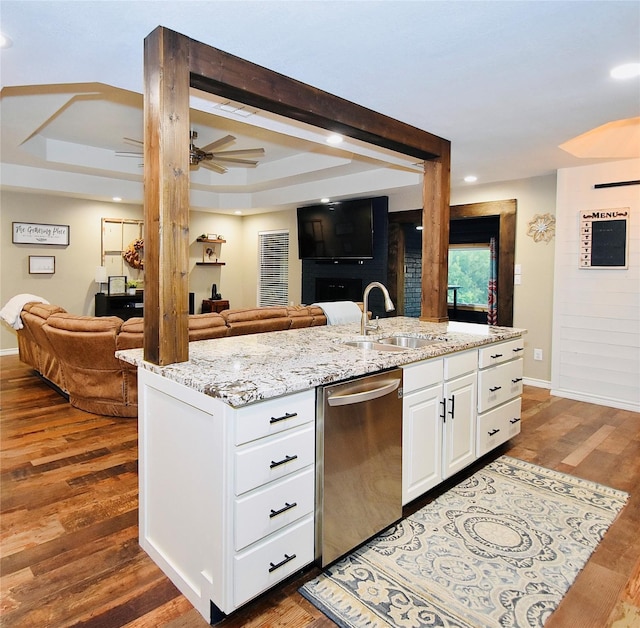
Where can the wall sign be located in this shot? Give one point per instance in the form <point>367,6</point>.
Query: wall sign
<point>35,233</point>
<point>604,236</point>
<point>42,264</point>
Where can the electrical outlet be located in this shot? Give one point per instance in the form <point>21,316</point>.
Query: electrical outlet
<point>517,280</point>
<point>537,354</point>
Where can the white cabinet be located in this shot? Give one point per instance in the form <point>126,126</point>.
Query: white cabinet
<point>422,409</point>
<point>226,495</point>
<point>460,412</point>
<point>438,421</point>
<point>499,391</point>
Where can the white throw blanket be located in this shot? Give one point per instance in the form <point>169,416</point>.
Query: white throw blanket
<point>341,312</point>
<point>10,313</point>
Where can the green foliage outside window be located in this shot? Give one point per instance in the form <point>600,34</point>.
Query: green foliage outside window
<point>469,269</point>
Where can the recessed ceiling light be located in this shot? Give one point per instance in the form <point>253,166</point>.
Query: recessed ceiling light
<point>470,178</point>
<point>334,139</point>
<point>625,71</point>
<point>324,200</point>
<point>237,212</point>
<point>5,41</point>
<point>116,199</point>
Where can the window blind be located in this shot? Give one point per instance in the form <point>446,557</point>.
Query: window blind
<point>273,271</point>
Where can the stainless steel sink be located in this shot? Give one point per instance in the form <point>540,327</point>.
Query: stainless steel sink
<point>409,342</point>
<point>374,345</point>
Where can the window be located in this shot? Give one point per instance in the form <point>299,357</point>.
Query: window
<point>273,270</point>
<point>469,266</point>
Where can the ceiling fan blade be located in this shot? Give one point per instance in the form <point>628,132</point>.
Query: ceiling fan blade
<point>227,139</point>
<point>231,161</point>
<point>239,153</point>
<point>213,166</point>
<point>129,140</point>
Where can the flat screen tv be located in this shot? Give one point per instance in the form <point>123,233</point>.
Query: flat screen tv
<point>341,230</point>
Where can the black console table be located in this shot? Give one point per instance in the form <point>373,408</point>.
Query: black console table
<point>123,305</point>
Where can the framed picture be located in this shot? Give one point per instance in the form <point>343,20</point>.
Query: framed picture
<point>36,233</point>
<point>42,264</point>
<point>117,284</point>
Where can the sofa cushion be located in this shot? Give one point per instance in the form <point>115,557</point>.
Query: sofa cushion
<point>257,319</point>
<point>131,334</point>
<point>206,326</point>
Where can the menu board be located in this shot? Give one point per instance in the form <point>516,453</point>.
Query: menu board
<point>604,235</point>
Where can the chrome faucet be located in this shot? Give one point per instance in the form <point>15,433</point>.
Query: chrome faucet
<point>365,327</point>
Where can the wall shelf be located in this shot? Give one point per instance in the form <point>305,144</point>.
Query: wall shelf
<point>209,252</point>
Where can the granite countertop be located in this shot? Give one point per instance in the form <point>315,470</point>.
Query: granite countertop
<point>244,369</point>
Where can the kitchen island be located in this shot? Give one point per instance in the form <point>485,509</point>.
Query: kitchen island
<point>227,440</point>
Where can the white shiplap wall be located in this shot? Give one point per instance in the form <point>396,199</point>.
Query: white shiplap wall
<point>596,313</point>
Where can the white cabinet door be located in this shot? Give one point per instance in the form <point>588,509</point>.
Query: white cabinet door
<point>459,424</point>
<point>421,442</point>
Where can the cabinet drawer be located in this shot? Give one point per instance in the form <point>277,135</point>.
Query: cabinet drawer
<point>421,375</point>
<point>460,364</point>
<point>498,426</point>
<point>274,457</point>
<point>501,352</point>
<point>267,563</point>
<point>273,416</point>
<point>267,510</point>
<point>499,384</point>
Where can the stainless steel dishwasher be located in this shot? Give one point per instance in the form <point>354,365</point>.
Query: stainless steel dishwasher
<point>359,462</point>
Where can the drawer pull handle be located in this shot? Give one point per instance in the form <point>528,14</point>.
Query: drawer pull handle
<point>518,349</point>
<point>286,459</point>
<point>496,355</point>
<point>284,417</point>
<point>287,506</point>
<point>516,380</point>
<point>284,561</point>
<point>494,431</point>
<point>514,420</point>
<point>495,388</point>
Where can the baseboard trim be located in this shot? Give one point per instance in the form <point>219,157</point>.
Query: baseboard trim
<point>13,351</point>
<point>599,401</point>
<point>538,383</point>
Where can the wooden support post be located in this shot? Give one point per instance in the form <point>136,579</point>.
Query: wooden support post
<point>435,238</point>
<point>166,197</point>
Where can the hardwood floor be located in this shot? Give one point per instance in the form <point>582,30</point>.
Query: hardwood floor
<point>68,528</point>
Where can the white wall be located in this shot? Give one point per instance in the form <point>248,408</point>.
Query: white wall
<point>532,300</point>
<point>596,314</point>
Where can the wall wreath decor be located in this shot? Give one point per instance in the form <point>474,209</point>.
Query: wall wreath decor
<point>134,254</point>
<point>542,228</point>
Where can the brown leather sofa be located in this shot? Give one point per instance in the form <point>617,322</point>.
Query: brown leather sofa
<point>77,353</point>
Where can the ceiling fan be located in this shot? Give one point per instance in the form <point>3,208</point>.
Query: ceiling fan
<point>209,156</point>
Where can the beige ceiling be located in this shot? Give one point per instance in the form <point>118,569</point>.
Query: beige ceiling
<point>509,83</point>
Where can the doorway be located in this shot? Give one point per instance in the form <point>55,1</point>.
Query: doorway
<point>470,223</point>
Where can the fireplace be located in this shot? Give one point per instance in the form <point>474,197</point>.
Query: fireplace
<point>338,289</point>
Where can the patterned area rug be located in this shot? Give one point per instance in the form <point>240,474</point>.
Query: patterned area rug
<point>499,550</point>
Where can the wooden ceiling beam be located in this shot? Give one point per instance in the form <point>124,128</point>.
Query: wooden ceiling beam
<point>173,64</point>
